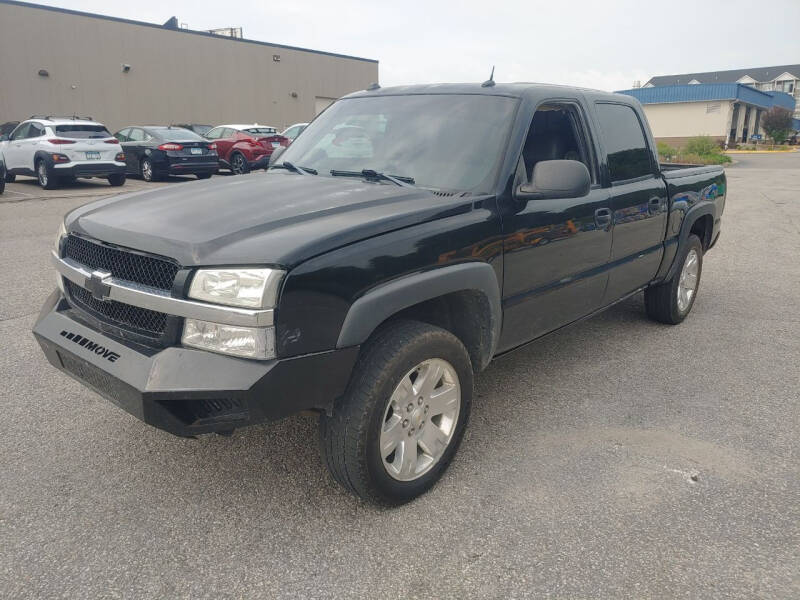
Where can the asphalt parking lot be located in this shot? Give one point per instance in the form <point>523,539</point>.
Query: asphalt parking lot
<point>618,458</point>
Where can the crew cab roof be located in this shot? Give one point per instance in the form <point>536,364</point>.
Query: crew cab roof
<point>515,90</point>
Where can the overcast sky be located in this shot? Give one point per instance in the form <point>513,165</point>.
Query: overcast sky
<point>605,44</point>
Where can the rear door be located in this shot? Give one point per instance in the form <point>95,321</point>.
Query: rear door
<point>555,250</point>
<point>638,199</point>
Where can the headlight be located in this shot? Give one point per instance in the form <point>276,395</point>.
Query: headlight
<point>249,288</point>
<point>62,231</point>
<point>248,342</point>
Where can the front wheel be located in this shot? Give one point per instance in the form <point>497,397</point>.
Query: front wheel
<point>403,415</point>
<point>671,301</point>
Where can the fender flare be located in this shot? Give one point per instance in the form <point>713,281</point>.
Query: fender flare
<point>385,300</point>
<point>689,219</point>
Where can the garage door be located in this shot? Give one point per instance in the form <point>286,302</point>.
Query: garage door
<point>321,103</point>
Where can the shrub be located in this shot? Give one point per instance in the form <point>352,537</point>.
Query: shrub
<point>704,159</point>
<point>777,123</point>
<point>666,151</point>
<point>702,145</point>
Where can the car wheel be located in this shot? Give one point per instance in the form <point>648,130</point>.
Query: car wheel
<point>47,180</point>
<point>117,179</point>
<point>146,169</point>
<point>10,177</point>
<point>239,164</point>
<point>671,301</point>
<point>203,175</point>
<point>2,184</point>
<point>398,425</point>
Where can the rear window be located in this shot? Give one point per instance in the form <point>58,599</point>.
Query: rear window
<point>178,135</point>
<point>628,155</point>
<point>260,130</point>
<point>83,131</point>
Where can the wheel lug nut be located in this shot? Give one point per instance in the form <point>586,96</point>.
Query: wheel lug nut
<point>411,431</point>
<point>426,409</point>
<point>405,422</point>
<point>410,407</point>
<point>419,401</point>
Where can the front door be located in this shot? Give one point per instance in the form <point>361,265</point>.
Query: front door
<point>555,250</point>
<point>15,148</point>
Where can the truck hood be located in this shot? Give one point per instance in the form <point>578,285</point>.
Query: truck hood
<point>275,218</point>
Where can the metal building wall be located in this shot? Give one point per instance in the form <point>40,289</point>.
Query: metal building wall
<point>175,75</point>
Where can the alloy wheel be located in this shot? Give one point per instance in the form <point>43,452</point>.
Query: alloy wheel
<point>687,283</point>
<point>420,419</point>
<point>147,170</point>
<point>237,164</point>
<point>42,172</point>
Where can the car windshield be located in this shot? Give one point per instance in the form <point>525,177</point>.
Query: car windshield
<point>260,130</point>
<point>177,135</point>
<point>442,142</point>
<point>83,131</point>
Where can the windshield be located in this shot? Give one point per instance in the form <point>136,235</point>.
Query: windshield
<point>451,142</point>
<point>83,131</point>
<point>178,135</point>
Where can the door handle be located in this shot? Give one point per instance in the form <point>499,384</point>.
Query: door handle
<point>602,218</point>
<point>654,205</point>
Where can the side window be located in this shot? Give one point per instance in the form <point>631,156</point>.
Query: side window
<point>557,132</point>
<point>228,133</point>
<point>624,140</point>
<point>21,132</point>
<point>214,133</point>
<point>122,135</point>
<point>136,134</point>
<point>35,131</point>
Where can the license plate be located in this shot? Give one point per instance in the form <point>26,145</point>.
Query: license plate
<point>92,156</point>
<point>275,144</point>
<point>196,150</point>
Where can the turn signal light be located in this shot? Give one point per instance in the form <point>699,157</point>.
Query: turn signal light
<point>60,141</point>
<point>170,147</point>
<point>212,146</point>
<point>112,141</point>
<point>60,158</point>
<point>120,157</point>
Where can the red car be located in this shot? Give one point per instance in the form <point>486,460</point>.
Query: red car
<point>242,148</point>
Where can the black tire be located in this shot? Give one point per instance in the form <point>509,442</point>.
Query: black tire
<point>2,184</point>
<point>661,301</point>
<point>349,440</point>
<point>11,177</point>
<point>239,164</point>
<point>146,170</point>
<point>117,179</point>
<point>47,180</point>
<point>203,175</point>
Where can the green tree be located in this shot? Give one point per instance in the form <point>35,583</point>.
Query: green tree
<point>777,122</point>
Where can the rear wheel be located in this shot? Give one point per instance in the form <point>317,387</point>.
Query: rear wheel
<point>403,415</point>
<point>146,169</point>
<point>239,164</point>
<point>117,179</point>
<point>47,180</point>
<point>10,177</point>
<point>2,184</point>
<point>671,301</point>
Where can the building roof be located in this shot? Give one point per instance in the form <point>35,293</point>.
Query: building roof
<point>170,26</point>
<point>711,92</point>
<point>759,74</point>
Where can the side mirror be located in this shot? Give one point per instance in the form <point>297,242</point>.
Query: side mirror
<point>275,154</point>
<point>556,179</point>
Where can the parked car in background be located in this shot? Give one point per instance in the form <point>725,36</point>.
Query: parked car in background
<point>154,152</point>
<point>196,127</point>
<point>58,149</point>
<point>242,148</point>
<point>6,129</point>
<point>293,131</point>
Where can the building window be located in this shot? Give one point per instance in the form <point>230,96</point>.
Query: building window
<point>713,108</point>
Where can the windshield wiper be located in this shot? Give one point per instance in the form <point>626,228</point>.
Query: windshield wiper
<point>373,175</point>
<point>294,168</point>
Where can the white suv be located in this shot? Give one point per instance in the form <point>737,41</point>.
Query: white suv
<point>55,149</point>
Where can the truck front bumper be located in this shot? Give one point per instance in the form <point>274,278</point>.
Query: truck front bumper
<point>185,391</point>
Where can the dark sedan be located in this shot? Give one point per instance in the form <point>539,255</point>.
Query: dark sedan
<point>154,152</point>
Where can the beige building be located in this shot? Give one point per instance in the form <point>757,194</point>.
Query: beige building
<point>728,112</point>
<point>61,62</point>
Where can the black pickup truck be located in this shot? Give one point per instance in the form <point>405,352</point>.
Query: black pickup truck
<point>406,238</point>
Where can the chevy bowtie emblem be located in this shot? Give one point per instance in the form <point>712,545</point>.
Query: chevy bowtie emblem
<point>98,285</point>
